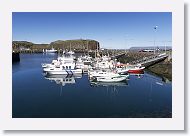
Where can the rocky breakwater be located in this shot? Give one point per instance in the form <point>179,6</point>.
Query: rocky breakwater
<point>163,69</point>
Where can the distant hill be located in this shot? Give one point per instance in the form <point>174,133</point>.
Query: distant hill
<point>78,44</point>
<point>150,48</point>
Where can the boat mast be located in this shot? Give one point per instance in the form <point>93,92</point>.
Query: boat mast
<point>95,52</point>
<point>87,48</point>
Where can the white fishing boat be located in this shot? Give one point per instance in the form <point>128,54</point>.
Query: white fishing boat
<point>122,71</point>
<point>87,60</point>
<point>102,73</point>
<point>62,66</point>
<point>70,51</point>
<point>53,63</point>
<point>105,64</point>
<point>121,68</point>
<point>84,62</point>
<point>59,61</point>
<point>52,50</point>
<point>63,69</point>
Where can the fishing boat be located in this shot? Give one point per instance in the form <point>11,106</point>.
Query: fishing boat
<point>58,61</point>
<point>62,66</point>
<point>63,69</point>
<point>53,63</point>
<point>52,50</point>
<point>102,73</point>
<point>70,51</point>
<point>121,68</point>
<point>135,69</point>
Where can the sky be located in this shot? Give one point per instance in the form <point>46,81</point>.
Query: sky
<point>114,30</point>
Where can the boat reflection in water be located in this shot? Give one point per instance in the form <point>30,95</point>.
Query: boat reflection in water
<point>63,79</point>
<point>138,75</point>
<point>111,89</point>
<point>106,84</point>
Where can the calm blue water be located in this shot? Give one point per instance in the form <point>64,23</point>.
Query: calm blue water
<point>36,96</point>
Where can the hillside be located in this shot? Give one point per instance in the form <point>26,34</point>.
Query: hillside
<point>79,44</point>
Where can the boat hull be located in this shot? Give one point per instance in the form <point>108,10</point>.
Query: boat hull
<point>136,70</point>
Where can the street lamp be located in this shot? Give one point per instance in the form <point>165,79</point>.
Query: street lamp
<point>155,29</point>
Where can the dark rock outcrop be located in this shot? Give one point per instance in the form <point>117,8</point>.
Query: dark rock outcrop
<point>15,57</point>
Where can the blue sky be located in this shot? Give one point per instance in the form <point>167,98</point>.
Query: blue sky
<point>112,29</point>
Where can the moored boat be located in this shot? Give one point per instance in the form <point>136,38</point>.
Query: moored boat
<point>102,73</point>
<point>62,66</point>
<point>63,69</point>
<point>136,69</point>
<point>52,50</point>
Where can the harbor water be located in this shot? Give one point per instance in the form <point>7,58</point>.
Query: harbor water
<point>35,95</point>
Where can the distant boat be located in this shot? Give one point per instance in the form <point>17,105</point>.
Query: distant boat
<point>70,52</point>
<point>102,73</point>
<point>52,50</point>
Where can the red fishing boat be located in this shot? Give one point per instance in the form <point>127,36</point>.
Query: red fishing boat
<point>136,69</point>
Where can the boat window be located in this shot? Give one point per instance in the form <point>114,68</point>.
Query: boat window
<point>69,67</point>
<point>63,67</point>
<point>66,67</point>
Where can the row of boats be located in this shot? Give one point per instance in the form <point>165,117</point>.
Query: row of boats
<point>99,69</point>
<point>52,50</point>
